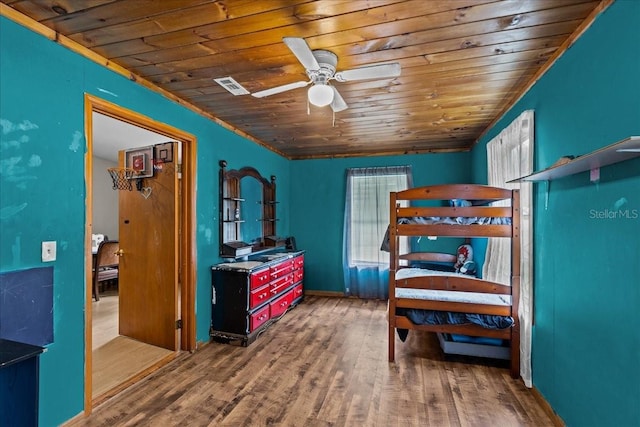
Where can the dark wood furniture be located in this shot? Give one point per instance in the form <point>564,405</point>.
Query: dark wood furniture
<point>247,212</point>
<point>407,292</point>
<point>248,296</point>
<point>19,383</point>
<point>105,266</point>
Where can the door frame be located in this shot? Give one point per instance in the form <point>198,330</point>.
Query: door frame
<point>187,247</point>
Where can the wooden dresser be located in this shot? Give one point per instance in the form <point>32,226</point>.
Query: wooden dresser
<point>248,296</point>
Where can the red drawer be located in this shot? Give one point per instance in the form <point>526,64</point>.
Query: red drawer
<point>281,269</point>
<point>259,278</point>
<point>297,275</point>
<point>298,262</point>
<point>281,284</point>
<point>259,296</point>
<point>280,305</point>
<point>298,291</point>
<point>258,318</point>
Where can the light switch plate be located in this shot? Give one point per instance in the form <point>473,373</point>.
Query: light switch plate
<point>48,251</point>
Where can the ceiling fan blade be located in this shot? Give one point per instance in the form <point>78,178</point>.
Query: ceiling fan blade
<point>378,71</point>
<point>301,50</point>
<point>338,103</point>
<point>279,89</point>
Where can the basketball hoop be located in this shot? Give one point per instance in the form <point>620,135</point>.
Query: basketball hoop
<point>122,178</point>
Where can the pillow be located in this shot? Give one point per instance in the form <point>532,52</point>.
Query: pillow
<point>464,263</point>
<point>469,268</point>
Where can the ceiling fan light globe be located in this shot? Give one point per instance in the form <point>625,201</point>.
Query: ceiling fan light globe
<point>320,95</point>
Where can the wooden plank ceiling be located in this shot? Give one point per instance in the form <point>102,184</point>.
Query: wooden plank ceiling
<point>463,62</point>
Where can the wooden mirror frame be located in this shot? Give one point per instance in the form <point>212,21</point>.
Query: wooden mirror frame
<point>230,228</point>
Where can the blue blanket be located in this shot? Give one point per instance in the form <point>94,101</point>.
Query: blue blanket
<point>461,220</point>
<point>431,317</point>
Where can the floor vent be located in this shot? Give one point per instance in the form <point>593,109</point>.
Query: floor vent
<point>232,86</point>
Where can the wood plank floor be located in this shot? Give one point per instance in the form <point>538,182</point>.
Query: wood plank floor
<point>121,360</point>
<point>104,315</point>
<point>325,364</point>
<point>118,360</point>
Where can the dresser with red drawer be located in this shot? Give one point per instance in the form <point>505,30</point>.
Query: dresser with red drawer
<point>248,296</point>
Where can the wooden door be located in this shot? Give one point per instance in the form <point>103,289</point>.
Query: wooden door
<point>148,278</point>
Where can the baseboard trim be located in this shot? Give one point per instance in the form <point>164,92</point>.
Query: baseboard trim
<point>324,293</point>
<point>555,418</point>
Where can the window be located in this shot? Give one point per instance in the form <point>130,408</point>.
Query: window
<point>365,224</point>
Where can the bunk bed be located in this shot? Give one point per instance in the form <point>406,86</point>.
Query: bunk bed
<point>450,302</point>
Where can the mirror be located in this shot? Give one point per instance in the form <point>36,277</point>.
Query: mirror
<point>247,212</point>
<point>251,192</point>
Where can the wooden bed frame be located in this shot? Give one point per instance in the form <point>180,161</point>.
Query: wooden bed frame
<point>477,194</point>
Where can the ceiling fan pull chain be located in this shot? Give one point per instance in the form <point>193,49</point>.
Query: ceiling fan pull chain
<point>333,123</point>
<point>308,108</point>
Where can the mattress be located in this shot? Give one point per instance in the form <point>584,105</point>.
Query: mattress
<point>448,296</point>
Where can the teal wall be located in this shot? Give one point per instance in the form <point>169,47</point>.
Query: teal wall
<point>42,187</point>
<point>317,214</point>
<point>586,344</point>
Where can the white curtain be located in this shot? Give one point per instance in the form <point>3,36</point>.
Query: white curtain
<point>366,218</point>
<point>510,156</point>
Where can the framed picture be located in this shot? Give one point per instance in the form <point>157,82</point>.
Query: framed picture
<point>140,160</point>
<point>163,152</point>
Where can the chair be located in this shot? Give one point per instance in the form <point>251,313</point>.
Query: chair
<point>105,265</point>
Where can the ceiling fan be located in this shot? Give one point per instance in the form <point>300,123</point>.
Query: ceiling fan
<point>321,68</point>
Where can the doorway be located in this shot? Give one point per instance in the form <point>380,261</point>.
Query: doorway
<point>183,258</point>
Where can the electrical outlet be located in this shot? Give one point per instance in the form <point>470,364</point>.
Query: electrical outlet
<point>48,251</point>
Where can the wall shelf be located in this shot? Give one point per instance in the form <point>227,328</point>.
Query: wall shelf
<point>620,151</point>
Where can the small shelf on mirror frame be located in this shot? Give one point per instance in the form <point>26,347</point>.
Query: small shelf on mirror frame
<point>237,221</point>
<point>623,150</point>
<point>235,199</point>
<point>235,249</point>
